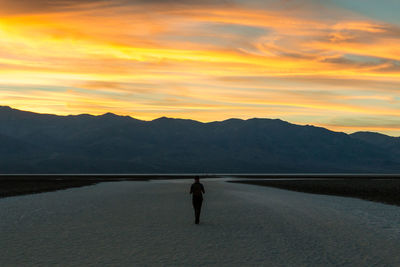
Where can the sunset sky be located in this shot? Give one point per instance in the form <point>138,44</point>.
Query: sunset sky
<point>332,63</point>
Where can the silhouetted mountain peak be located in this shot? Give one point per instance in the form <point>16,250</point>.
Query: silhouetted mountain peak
<point>163,118</point>
<point>268,121</point>
<point>371,134</point>
<point>112,117</point>
<point>109,115</point>
<point>166,120</point>
<point>383,141</point>
<point>85,115</point>
<point>231,121</point>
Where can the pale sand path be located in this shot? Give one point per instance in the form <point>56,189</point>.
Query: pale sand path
<point>151,224</point>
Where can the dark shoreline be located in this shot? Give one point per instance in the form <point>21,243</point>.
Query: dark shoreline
<point>378,190</point>
<point>25,184</point>
<point>9,188</point>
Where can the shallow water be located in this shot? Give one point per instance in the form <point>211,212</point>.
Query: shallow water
<point>151,223</point>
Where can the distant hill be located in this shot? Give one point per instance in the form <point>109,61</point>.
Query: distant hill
<point>388,143</point>
<point>42,143</point>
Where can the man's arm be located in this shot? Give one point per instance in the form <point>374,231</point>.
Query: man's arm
<point>191,189</point>
<point>202,189</point>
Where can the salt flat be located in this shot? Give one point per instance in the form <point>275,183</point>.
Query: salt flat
<point>152,224</point>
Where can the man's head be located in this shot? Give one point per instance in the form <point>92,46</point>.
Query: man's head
<point>197,179</point>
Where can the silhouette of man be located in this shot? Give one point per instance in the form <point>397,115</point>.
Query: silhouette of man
<point>197,191</point>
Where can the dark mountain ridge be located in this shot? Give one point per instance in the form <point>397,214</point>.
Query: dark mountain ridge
<point>44,143</point>
<point>389,143</point>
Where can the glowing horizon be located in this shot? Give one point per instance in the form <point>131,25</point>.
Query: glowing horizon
<point>334,65</point>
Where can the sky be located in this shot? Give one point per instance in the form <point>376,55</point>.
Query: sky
<point>332,63</point>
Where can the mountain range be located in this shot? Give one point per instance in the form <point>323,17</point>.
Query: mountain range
<point>44,143</point>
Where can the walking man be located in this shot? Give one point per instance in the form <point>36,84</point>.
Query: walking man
<point>197,191</point>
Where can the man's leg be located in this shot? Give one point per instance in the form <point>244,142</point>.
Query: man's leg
<point>194,202</point>
<point>197,209</point>
<point>196,215</point>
